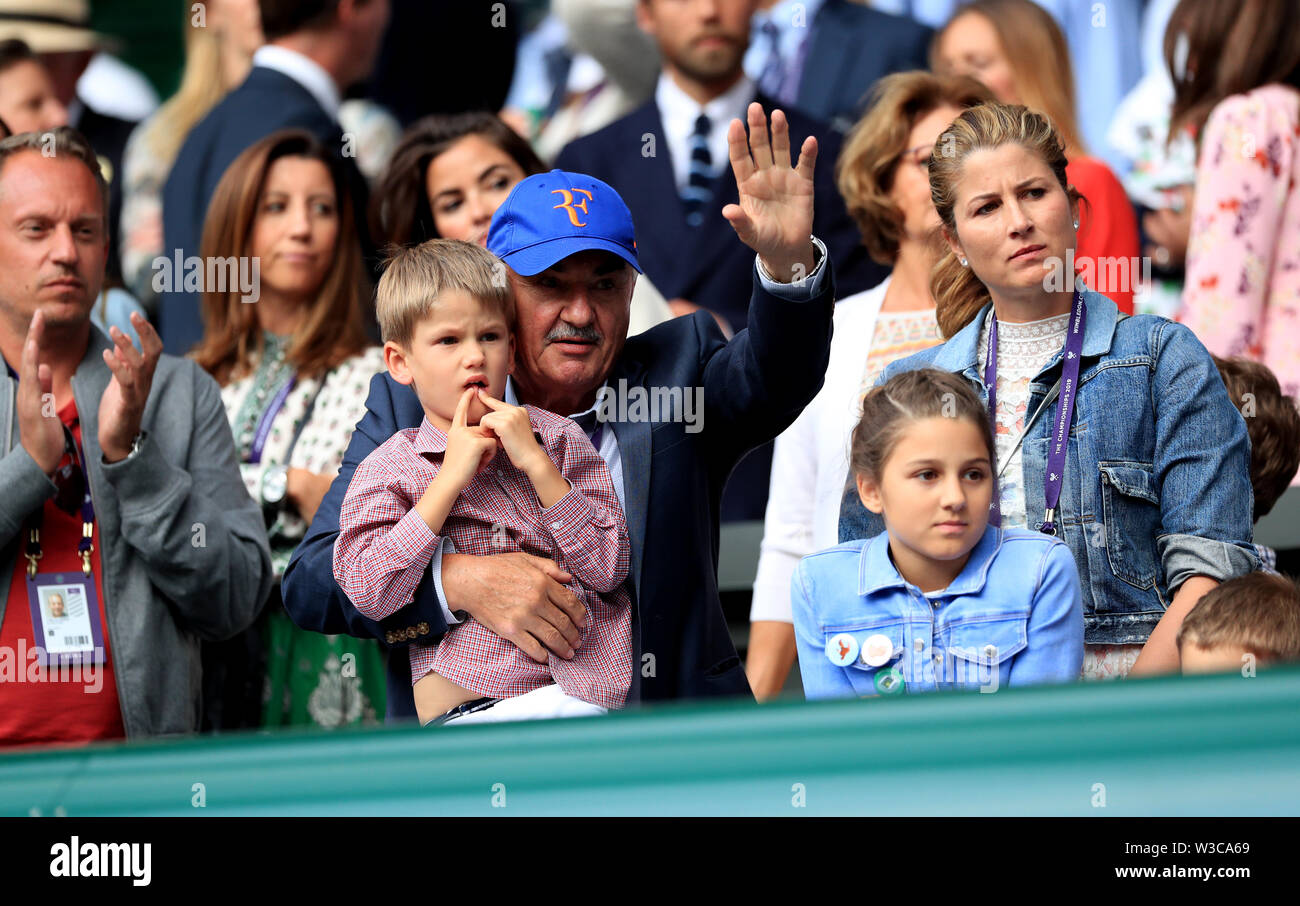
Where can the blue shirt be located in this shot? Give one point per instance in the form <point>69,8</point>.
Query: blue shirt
<point>1157,473</point>
<point>1012,617</point>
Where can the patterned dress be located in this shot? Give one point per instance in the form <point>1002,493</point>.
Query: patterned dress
<point>1242,296</point>
<point>1023,351</point>
<point>312,679</point>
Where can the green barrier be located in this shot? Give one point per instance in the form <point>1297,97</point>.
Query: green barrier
<point>1221,745</point>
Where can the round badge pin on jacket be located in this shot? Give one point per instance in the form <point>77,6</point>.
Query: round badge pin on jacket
<point>842,649</point>
<point>877,650</point>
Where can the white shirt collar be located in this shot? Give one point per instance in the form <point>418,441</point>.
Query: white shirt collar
<point>679,110</point>
<point>303,70</point>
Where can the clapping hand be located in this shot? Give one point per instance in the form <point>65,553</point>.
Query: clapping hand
<point>39,429</point>
<point>122,406</point>
<point>775,213</point>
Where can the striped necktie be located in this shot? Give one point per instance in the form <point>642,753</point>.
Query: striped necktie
<point>698,184</point>
<point>771,81</point>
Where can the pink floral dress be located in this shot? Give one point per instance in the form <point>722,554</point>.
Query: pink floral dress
<point>1242,295</point>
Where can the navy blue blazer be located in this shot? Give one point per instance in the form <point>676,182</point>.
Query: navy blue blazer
<point>753,387</point>
<point>708,264</point>
<point>851,47</point>
<point>266,102</point>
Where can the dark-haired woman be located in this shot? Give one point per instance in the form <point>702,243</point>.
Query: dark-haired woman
<point>295,366</point>
<point>1240,94</point>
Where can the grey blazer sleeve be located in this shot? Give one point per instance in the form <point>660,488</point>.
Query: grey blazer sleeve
<point>199,534</point>
<point>26,488</point>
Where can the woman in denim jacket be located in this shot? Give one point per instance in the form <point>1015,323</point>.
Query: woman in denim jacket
<point>1154,486</point>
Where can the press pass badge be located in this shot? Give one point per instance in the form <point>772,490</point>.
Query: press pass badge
<point>65,619</point>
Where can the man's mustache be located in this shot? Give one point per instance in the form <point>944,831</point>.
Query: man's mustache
<point>569,332</point>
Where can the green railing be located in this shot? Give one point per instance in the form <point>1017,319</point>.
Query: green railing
<point>1222,745</point>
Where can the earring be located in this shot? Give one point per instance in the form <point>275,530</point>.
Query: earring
<point>1076,224</point>
<point>963,261</point>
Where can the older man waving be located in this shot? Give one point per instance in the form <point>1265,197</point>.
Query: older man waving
<point>671,411</point>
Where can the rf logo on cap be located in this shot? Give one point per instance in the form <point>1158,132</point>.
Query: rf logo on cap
<point>569,205</point>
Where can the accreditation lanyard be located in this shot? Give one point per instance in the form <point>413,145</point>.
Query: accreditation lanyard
<point>1058,443</point>
<point>86,546</point>
<point>264,426</point>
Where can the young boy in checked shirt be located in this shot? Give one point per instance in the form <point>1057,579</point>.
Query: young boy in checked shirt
<point>493,478</point>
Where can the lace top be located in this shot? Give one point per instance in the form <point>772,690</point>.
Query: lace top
<point>1023,350</point>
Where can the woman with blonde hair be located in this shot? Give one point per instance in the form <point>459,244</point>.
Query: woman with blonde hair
<point>1016,48</point>
<point>1113,433</point>
<point>218,55</point>
<point>294,365</point>
<point>882,176</point>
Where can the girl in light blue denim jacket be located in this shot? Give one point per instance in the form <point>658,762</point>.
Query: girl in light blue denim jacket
<point>942,599</point>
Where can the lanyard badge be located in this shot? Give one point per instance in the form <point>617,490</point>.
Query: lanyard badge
<point>72,493</point>
<point>1058,443</point>
<point>66,625</point>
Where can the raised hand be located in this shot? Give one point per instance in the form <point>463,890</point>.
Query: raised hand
<point>122,405</point>
<point>39,428</point>
<point>775,213</point>
<point>469,447</point>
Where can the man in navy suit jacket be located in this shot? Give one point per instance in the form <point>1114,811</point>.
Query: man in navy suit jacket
<point>573,289</point>
<point>850,46</point>
<point>295,83</point>
<point>646,156</point>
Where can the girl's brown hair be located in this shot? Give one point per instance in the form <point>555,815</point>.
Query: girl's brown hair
<point>958,293</point>
<point>1037,52</point>
<point>399,212</point>
<point>905,398</point>
<point>333,329</point>
<point>866,167</point>
<point>1233,46</point>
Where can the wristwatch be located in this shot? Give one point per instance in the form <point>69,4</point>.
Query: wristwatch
<point>135,448</point>
<point>275,487</point>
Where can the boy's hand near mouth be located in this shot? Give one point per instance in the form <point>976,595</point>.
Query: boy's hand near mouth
<point>514,432</point>
<point>469,450</point>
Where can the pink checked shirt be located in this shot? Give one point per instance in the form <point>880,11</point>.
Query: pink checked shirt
<point>384,548</point>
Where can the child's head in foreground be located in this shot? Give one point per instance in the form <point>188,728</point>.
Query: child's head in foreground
<point>922,456</point>
<point>1257,614</point>
<point>1273,423</point>
<point>445,312</point>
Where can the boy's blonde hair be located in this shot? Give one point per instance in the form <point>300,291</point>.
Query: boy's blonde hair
<point>1259,612</point>
<point>415,277</point>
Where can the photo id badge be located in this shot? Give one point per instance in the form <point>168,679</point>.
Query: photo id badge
<point>65,619</point>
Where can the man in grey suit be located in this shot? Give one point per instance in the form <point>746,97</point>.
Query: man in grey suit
<point>122,491</point>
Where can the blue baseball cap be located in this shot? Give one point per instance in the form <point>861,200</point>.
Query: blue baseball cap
<point>550,216</point>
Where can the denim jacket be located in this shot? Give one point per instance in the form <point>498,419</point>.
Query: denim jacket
<point>1012,617</point>
<point>1157,477</point>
